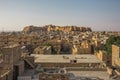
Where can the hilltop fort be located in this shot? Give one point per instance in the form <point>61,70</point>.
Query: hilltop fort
<point>32,28</point>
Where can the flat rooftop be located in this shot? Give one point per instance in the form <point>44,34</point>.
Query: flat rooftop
<point>65,58</point>
<point>87,74</point>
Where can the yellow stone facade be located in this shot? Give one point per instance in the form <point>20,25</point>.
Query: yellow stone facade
<point>115,55</point>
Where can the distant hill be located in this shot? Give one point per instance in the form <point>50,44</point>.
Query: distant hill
<point>29,29</point>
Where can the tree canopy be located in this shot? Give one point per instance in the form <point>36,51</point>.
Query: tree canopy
<point>111,40</point>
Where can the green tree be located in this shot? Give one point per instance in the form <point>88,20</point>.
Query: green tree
<point>111,40</point>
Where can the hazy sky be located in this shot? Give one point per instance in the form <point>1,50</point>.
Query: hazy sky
<point>97,14</point>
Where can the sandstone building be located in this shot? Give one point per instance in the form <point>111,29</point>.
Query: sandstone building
<point>115,55</point>
<point>11,55</point>
<point>42,50</point>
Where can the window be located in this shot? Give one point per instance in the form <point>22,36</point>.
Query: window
<point>73,61</point>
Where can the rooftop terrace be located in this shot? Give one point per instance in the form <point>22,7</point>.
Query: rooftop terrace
<point>65,58</point>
